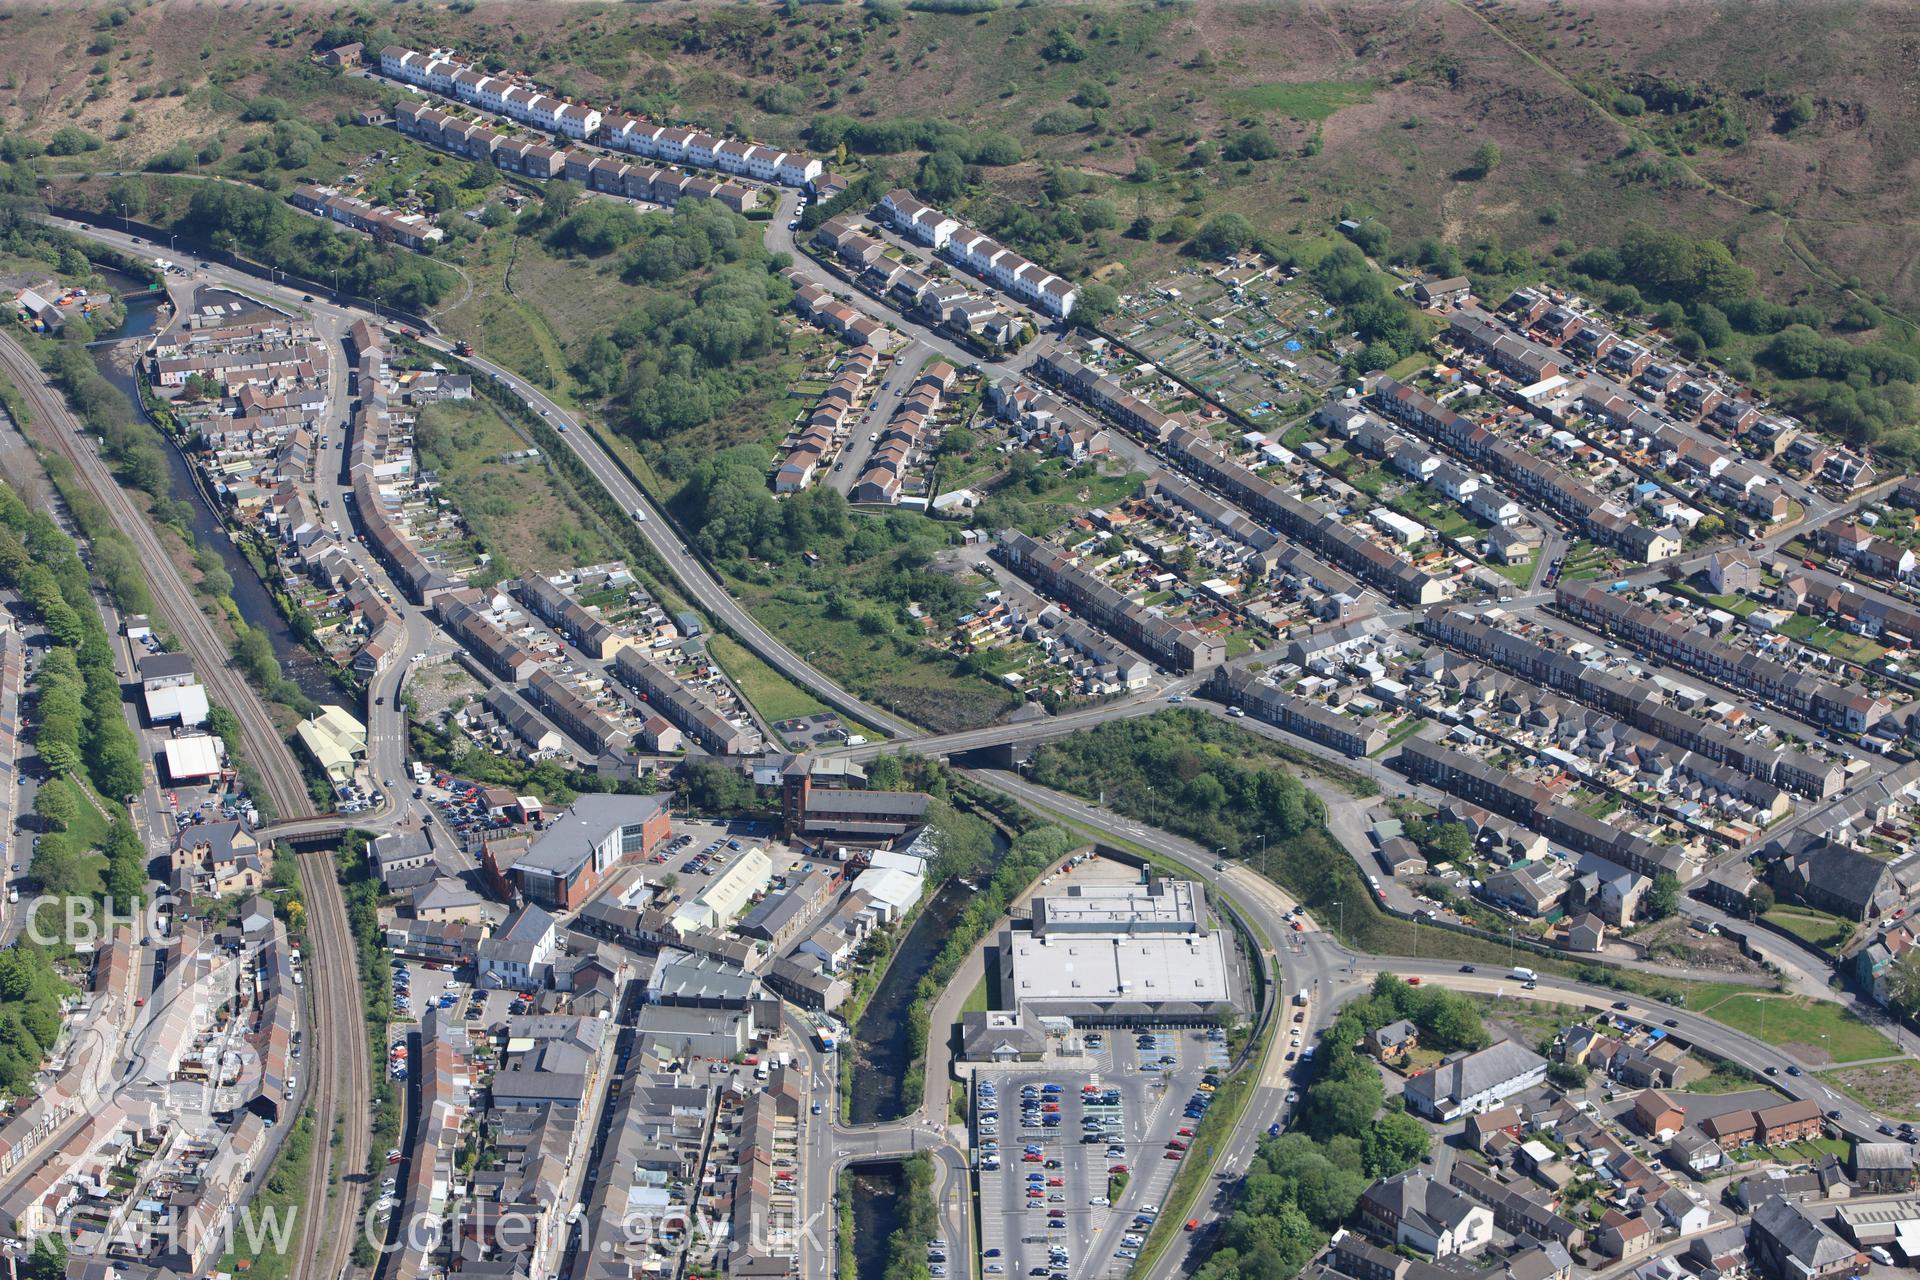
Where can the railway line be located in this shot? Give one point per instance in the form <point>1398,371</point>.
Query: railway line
<point>339,1080</point>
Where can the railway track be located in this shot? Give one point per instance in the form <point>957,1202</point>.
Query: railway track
<point>341,1088</point>
<point>172,598</point>
<point>339,1082</point>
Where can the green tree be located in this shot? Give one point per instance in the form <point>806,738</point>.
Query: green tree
<point>1224,235</point>
<point>714,788</point>
<point>942,176</point>
<point>1343,1105</point>
<point>1096,303</point>
<point>1760,900</point>
<point>1798,114</point>
<point>1251,144</point>
<point>1567,1075</point>
<point>1903,984</point>
<point>57,804</point>
<point>71,140</point>
<point>1486,158</point>
<point>1455,1024</point>
<point>1394,1142</point>
<point>1062,47</point>
<point>1664,898</point>
<point>48,1261</point>
<point>886,774</point>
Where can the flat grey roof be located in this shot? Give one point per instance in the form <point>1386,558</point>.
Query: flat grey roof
<point>1084,967</point>
<point>1165,906</point>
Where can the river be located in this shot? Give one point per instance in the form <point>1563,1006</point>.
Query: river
<point>881,1040</point>
<point>114,357</point>
<point>876,1213</point>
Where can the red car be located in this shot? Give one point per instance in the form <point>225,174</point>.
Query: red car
<point>1056,1182</point>
<point>1118,1168</point>
<point>1173,1155</point>
<point>1414,981</point>
<point>1051,1107</point>
<point>1186,1133</point>
<point>1030,1158</point>
<point>1176,1145</point>
<point>1034,1193</point>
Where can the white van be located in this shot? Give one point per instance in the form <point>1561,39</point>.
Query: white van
<point>1524,974</point>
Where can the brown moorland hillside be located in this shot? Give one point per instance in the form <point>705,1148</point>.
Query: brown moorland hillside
<point>1786,129</point>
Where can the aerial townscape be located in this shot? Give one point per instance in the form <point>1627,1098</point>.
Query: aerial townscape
<point>959,640</point>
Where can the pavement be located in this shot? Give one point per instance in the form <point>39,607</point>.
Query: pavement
<point>895,381</point>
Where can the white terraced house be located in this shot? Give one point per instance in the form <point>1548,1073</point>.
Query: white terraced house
<point>395,62</point>
<point>1009,271</point>
<point>764,163</point>
<point>440,72</point>
<point>671,145</point>
<point>796,170</point>
<point>731,156</point>
<point>578,122</point>
<point>914,217</point>
<point>540,111</point>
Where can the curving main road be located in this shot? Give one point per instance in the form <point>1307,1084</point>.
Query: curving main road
<point>1313,960</point>
<point>700,585</point>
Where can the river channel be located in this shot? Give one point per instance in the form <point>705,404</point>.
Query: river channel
<point>114,356</point>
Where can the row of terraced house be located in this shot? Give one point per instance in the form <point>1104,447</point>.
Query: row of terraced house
<point>523,100</point>
<point>607,174</point>
<point>1593,514</point>
<point>980,254</point>
<point>904,438</point>
<point>1637,703</point>
<point>380,461</point>
<point>1294,518</point>
<point>827,425</point>
<point>1850,708</point>
<point>1176,644</point>
<point>415,231</point>
<point>1534,805</point>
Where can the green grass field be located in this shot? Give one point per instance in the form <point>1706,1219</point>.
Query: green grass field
<point>1814,1025</point>
<point>772,694</point>
<point>1314,100</point>
<point>1890,1088</point>
<point>522,511</point>
<point>1816,928</point>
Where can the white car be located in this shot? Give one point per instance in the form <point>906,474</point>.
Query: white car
<point>1100,1201</point>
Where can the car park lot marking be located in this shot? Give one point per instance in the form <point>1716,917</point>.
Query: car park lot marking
<point>1132,1110</point>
